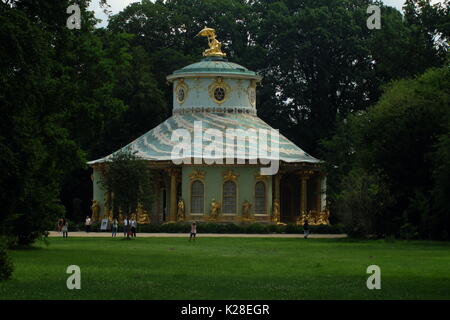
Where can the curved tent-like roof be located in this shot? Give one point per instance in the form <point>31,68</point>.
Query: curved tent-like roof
<point>156,145</point>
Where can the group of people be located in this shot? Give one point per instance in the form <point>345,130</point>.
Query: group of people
<point>129,227</point>
<point>63,227</point>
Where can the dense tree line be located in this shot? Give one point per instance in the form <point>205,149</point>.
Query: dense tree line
<point>396,161</point>
<point>67,96</point>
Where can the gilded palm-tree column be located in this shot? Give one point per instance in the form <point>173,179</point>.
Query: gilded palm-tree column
<point>304,176</point>
<point>277,185</point>
<point>173,194</point>
<point>319,192</point>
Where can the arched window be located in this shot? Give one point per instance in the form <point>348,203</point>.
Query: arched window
<point>260,198</point>
<point>229,197</point>
<point>197,197</point>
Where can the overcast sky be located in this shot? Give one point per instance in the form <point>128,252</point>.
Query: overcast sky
<point>119,5</point>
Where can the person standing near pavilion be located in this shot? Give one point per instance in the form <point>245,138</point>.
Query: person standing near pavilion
<point>193,231</point>
<point>133,226</point>
<point>88,224</point>
<point>305,228</point>
<point>115,225</point>
<point>125,226</point>
<point>65,228</point>
<point>59,225</point>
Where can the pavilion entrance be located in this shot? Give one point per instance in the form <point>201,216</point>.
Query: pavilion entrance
<point>289,198</point>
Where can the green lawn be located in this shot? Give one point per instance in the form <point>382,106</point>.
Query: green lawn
<point>230,268</point>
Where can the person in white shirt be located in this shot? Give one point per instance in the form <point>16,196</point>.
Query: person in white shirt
<point>65,228</point>
<point>133,225</point>
<point>88,224</point>
<point>125,226</point>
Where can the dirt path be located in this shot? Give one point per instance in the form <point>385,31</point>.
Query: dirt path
<point>204,235</point>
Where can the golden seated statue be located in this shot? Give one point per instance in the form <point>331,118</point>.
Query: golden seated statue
<point>215,47</point>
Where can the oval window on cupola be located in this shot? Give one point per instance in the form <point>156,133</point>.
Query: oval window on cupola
<point>181,94</point>
<point>181,91</point>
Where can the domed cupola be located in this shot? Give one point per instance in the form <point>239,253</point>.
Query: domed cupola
<point>214,85</point>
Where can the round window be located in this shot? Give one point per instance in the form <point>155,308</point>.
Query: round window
<point>219,94</point>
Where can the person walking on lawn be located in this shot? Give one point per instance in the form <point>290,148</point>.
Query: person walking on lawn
<point>306,229</point>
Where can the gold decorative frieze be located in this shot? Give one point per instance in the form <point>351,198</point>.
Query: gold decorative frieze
<point>305,174</point>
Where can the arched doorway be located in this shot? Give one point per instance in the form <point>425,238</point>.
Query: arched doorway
<point>289,198</point>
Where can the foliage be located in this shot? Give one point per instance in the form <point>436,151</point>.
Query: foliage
<point>129,179</point>
<point>71,95</point>
<point>220,228</point>
<point>224,228</point>
<point>440,215</point>
<point>408,231</point>
<point>401,139</point>
<point>362,200</point>
<point>6,266</point>
<point>35,148</point>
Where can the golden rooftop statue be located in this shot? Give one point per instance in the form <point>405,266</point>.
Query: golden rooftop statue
<point>214,44</point>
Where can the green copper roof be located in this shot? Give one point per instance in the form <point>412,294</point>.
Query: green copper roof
<point>214,65</point>
<point>156,144</point>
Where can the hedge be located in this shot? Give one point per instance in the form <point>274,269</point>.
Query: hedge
<point>254,228</point>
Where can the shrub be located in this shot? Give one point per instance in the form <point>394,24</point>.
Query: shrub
<point>227,228</point>
<point>408,231</point>
<point>6,266</point>
<point>362,198</point>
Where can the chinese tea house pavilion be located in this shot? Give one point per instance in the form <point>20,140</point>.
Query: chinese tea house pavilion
<point>220,95</point>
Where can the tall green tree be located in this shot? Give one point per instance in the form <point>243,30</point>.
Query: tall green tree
<point>57,91</point>
<point>403,137</point>
<point>130,181</point>
<point>35,148</point>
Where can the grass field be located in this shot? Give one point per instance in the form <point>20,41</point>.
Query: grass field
<point>230,268</point>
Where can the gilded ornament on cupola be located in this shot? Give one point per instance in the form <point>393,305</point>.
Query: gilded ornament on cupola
<point>215,47</point>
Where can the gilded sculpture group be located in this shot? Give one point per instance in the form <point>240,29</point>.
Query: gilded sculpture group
<point>142,216</point>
